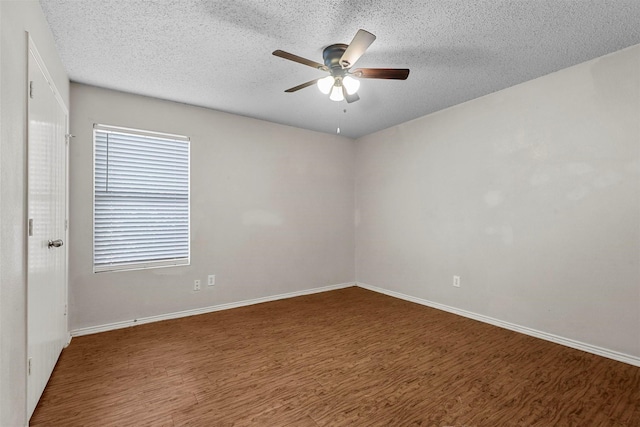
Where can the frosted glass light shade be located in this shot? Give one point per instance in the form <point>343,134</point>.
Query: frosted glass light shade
<point>325,84</point>
<point>350,84</point>
<point>336,94</point>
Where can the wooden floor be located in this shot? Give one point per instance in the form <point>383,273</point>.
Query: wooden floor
<point>344,358</point>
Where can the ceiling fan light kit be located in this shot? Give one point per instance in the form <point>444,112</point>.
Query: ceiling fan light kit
<point>343,84</point>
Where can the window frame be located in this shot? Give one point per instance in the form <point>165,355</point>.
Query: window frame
<point>144,264</point>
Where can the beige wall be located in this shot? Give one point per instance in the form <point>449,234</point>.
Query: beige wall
<point>530,194</point>
<point>271,210</point>
<point>16,18</point>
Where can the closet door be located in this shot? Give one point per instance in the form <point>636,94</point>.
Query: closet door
<point>46,198</point>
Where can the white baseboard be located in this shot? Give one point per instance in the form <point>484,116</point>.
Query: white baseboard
<point>128,323</point>
<point>620,357</point>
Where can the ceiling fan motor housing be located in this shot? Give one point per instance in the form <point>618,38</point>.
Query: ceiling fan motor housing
<point>332,55</point>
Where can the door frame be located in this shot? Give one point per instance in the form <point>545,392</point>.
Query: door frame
<point>33,50</point>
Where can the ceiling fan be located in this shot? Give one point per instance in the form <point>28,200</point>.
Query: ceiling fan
<point>340,84</point>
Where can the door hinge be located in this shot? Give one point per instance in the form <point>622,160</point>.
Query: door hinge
<point>65,309</point>
<point>31,89</point>
<point>66,224</point>
<point>29,366</point>
<point>30,227</point>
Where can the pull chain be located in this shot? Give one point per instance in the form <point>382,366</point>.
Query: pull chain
<point>339,120</point>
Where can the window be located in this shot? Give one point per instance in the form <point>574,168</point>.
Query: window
<point>141,199</point>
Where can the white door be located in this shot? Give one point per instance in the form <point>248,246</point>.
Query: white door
<point>46,259</point>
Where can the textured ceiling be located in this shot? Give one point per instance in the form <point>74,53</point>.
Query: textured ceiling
<point>217,54</point>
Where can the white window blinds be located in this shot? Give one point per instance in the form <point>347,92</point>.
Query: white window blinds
<point>141,199</point>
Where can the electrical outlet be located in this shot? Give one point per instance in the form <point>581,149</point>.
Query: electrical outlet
<point>456,281</point>
<point>212,280</point>
<point>196,285</point>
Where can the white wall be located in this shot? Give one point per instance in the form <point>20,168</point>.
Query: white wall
<point>531,194</point>
<point>271,210</point>
<point>16,18</point>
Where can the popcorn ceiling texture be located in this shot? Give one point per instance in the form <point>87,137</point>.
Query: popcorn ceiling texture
<point>217,54</point>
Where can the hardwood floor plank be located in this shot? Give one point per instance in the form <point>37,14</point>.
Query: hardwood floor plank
<point>341,358</point>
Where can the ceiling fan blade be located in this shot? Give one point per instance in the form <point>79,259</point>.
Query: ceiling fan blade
<point>300,60</point>
<point>357,47</point>
<point>302,86</point>
<point>382,73</point>
<point>349,98</point>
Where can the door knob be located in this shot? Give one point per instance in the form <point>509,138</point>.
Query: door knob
<point>55,243</point>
